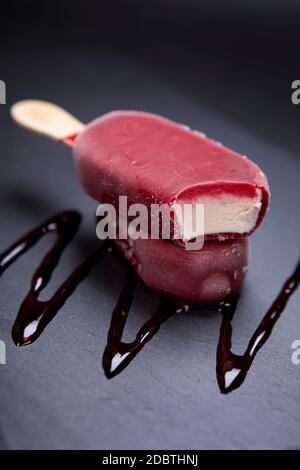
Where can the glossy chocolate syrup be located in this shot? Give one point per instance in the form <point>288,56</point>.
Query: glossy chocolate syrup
<point>231,368</point>
<point>118,355</point>
<point>34,314</point>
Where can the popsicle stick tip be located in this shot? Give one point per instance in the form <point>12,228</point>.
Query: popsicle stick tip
<point>46,118</point>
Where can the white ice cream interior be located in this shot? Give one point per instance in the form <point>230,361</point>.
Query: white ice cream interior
<point>226,213</point>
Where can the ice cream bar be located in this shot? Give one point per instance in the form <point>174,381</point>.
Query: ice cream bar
<point>189,277</point>
<point>151,159</point>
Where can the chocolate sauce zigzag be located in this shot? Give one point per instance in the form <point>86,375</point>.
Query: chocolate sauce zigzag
<point>34,314</point>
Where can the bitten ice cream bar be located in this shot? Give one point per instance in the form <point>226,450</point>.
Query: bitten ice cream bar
<point>153,160</point>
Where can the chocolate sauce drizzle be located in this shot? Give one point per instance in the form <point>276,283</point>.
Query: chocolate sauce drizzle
<point>34,314</point>
<point>231,368</point>
<point>117,355</point>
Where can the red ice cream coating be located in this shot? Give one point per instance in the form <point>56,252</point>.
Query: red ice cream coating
<point>151,159</point>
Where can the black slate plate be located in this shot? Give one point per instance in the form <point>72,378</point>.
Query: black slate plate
<point>54,393</point>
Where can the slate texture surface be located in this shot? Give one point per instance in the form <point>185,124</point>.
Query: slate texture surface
<point>54,394</point>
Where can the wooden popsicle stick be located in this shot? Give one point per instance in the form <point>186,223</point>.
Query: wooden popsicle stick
<point>47,119</point>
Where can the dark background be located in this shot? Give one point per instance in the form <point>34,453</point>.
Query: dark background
<point>237,57</point>
<point>224,68</point>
